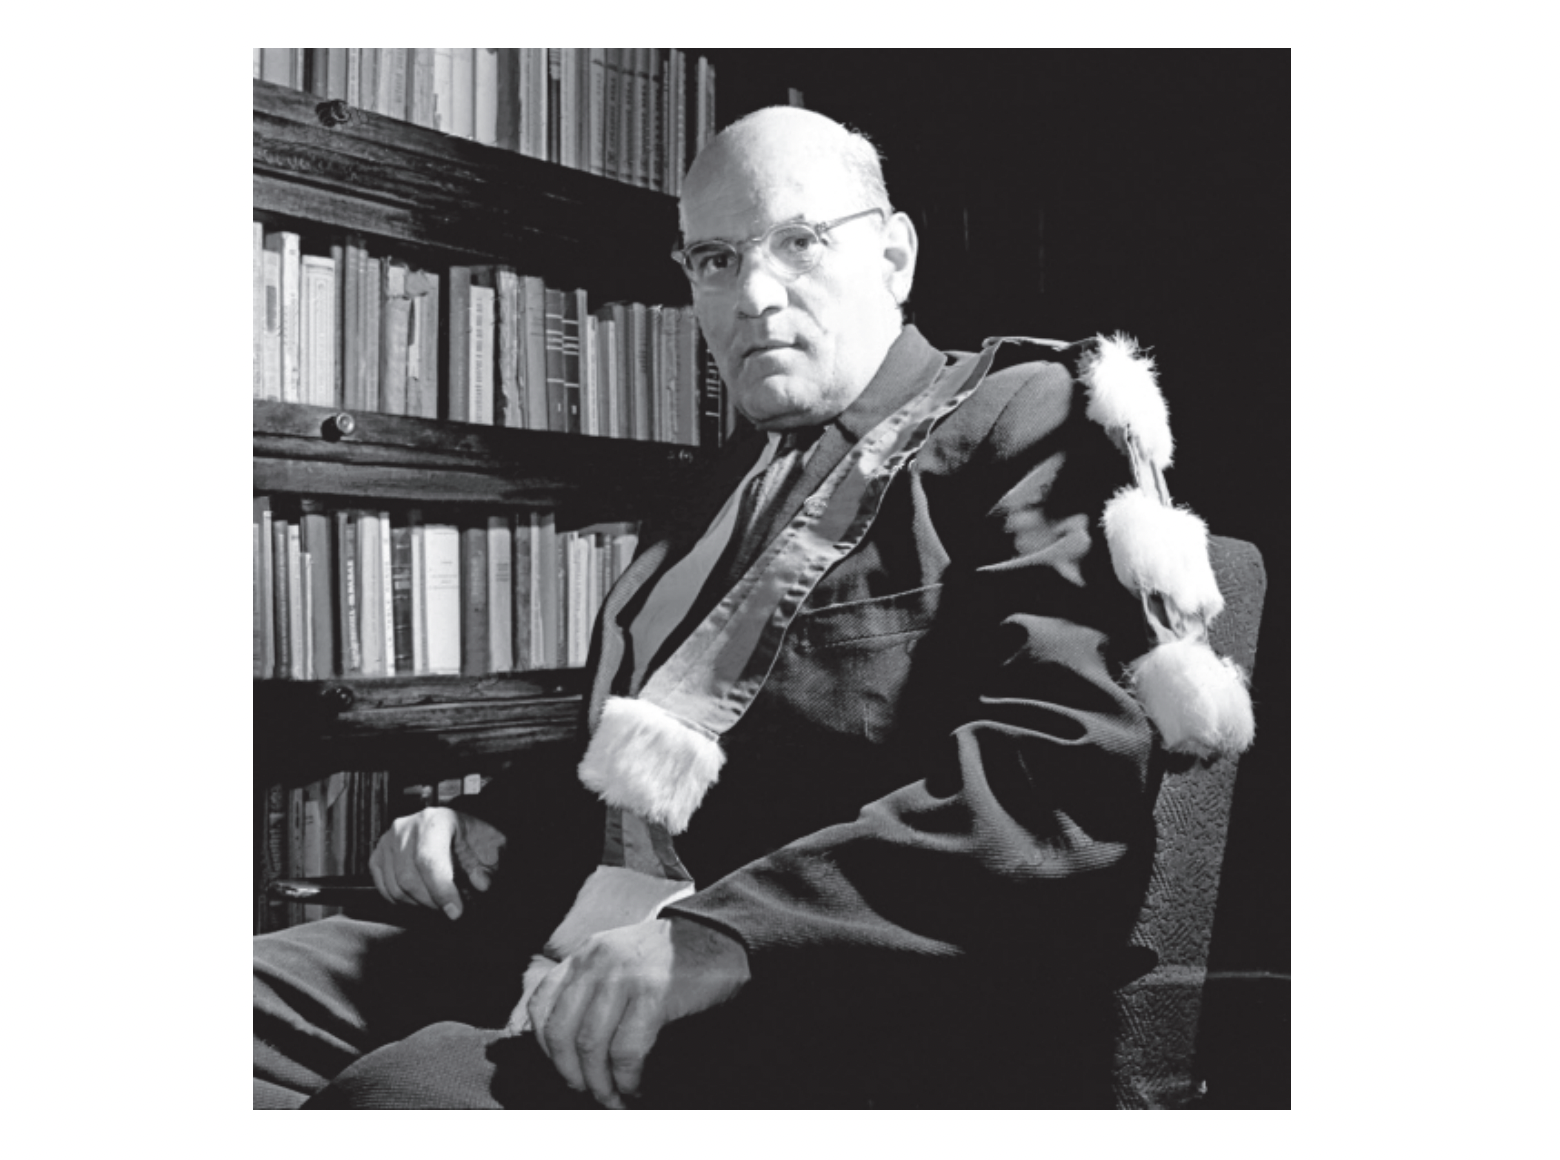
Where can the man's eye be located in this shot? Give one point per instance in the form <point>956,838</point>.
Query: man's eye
<point>794,243</point>
<point>713,261</point>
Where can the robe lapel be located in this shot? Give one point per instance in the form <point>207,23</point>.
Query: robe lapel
<point>667,541</point>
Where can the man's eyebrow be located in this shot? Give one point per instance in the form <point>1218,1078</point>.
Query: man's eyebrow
<point>734,243</point>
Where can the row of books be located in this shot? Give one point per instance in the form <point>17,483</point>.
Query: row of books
<point>342,592</point>
<point>350,329</point>
<point>327,827</point>
<point>637,115</point>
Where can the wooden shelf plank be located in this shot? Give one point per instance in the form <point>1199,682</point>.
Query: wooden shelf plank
<point>425,460</point>
<point>404,182</point>
<point>412,721</point>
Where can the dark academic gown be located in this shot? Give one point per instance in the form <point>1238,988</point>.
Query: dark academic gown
<point>931,833</point>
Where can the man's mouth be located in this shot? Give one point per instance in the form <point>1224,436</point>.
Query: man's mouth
<point>766,347</point>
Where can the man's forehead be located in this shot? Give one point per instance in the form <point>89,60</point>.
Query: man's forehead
<point>741,196</point>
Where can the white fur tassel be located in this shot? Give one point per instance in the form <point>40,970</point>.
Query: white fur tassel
<point>643,759</point>
<point>1124,396</point>
<point>1155,548</point>
<point>1196,699</point>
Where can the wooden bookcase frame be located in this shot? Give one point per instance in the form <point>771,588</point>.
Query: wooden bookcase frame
<point>322,168</point>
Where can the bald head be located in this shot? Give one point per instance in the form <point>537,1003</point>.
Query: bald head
<point>796,343</point>
<point>774,145</point>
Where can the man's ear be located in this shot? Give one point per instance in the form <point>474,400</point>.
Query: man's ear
<point>899,249</point>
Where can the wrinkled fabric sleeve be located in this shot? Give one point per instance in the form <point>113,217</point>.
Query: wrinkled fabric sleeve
<point>1023,842</point>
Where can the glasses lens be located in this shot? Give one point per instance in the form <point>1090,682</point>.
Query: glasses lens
<point>711,262</point>
<point>795,247</point>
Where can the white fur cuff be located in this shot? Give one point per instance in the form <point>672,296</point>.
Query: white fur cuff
<point>1156,548</point>
<point>1124,396</point>
<point>1196,699</point>
<point>643,759</point>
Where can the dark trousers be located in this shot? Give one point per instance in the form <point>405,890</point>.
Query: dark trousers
<point>351,1013</point>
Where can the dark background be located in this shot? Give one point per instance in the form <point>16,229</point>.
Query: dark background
<point>1063,193</point>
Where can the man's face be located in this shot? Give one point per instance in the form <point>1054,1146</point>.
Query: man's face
<point>794,350</point>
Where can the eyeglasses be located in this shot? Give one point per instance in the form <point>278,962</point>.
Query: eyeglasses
<point>791,248</point>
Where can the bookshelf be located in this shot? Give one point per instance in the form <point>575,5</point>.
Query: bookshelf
<point>330,172</point>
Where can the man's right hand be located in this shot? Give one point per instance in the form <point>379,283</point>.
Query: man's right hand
<point>415,859</point>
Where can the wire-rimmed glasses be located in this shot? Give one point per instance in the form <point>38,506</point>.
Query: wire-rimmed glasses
<point>791,249</point>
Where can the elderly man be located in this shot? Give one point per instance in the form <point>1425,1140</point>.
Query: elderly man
<point>876,825</point>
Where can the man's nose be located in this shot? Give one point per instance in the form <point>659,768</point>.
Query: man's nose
<point>759,289</point>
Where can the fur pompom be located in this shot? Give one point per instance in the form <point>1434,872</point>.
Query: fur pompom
<point>1124,396</point>
<point>643,759</point>
<point>1196,699</point>
<point>1155,548</point>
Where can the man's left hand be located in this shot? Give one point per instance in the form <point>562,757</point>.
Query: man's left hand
<point>597,1014</point>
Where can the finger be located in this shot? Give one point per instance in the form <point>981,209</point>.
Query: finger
<point>636,1034</point>
<point>598,1026</point>
<point>541,1004</point>
<point>380,866</point>
<point>563,1024</point>
<point>476,873</point>
<point>405,873</point>
<point>436,869</point>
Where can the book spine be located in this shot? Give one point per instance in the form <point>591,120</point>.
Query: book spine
<point>399,96</point>
<point>313,841</point>
<point>458,324</point>
<point>336,85</point>
<point>590,383</point>
<point>533,306</point>
<point>465,86</point>
<point>291,340</point>
<point>509,403</point>
<point>480,338</point>
<point>444,90</point>
<point>276,65</point>
<point>554,102</point>
<point>639,359</point>
<point>368,79</point>
<point>473,602</point>
<point>387,594</point>
<point>510,99</point>
<point>266,611</point>
<point>348,651</point>
<point>521,536</point>
<point>486,96</point>
<point>420,108</point>
<point>655,152</point>
<point>545,626</point>
<point>275,851</point>
<point>395,320</point>
<point>501,595</point>
<point>419,596</point>
<point>318,332</point>
<point>258,312</point>
<point>442,592</point>
<point>354,77</point>
<point>709,397</point>
<point>557,400</point>
<point>370,602</point>
<point>571,358</point>
<point>372,296</point>
<point>611,117</point>
<point>422,355</point>
<point>271,340</point>
<point>295,854</point>
<point>297,645</point>
<point>688,374</point>
<point>401,589</point>
<point>598,105</point>
<point>338,258</point>
<point>317,542</point>
<point>281,617</point>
